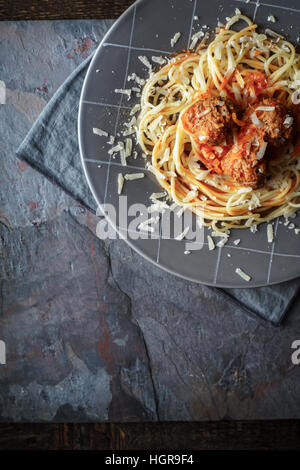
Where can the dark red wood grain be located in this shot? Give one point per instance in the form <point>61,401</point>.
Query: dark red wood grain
<point>13,10</point>
<point>230,435</point>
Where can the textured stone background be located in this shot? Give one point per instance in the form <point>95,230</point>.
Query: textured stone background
<point>93,331</point>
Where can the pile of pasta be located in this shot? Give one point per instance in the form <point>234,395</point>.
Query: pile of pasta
<point>231,66</point>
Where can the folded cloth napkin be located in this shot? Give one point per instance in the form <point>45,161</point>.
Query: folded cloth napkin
<point>51,147</point>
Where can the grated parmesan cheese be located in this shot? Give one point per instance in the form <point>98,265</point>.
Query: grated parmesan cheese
<point>270,233</point>
<point>146,62</point>
<point>255,120</point>
<point>157,195</point>
<point>254,202</point>
<point>211,244</point>
<point>134,176</point>
<point>220,234</point>
<point>204,113</point>
<point>130,123</point>
<point>158,206</point>
<point>222,243</point>
<point>244,190</point>
<point>115,149</point>
<point>134,77</point>
<point>242,274</point>
<point>265,108</point>
<point>288,121</point>
<point>128,147</point>
<point>158,60</point>
<point>100,132</point>
<point>262,150</point>
<point>124,92</point>
<point>195,39</point>
<point>123,157</point>
<point>120,183</point>
<point>129,131</point>
<point>175,39</point>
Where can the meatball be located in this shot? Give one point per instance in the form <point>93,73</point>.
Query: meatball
<point>241,162</point>
<point>210,119</point>
<point>242,171</point>
<point>276,123</point>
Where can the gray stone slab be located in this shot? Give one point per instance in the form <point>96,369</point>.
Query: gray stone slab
<point>93,331</point>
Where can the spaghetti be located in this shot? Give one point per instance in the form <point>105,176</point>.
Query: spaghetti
<point>239,66</point>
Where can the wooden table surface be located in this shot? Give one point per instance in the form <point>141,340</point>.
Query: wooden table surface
<point>230,435</point>
<point>221,435</point>
<point>13,10</point>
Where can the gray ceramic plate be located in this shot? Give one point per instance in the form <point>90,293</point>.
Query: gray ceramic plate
<point>146,29</point>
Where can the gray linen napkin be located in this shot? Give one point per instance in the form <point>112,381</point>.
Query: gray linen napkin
<point>51,147</point>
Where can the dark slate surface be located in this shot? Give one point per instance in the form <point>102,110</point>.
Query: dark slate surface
<point>93,331</point>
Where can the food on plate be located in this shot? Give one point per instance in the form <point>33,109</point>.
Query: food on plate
<point>219,125</point>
